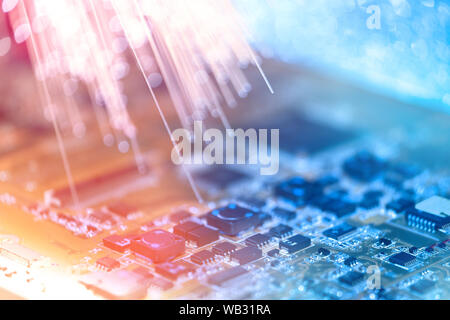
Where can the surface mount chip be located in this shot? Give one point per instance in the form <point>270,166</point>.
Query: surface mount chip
<point>246,255</point>
<point>295,243</point>
<point>403,259</point>
<point>158,245</point>
<point>232,219</point>
<point>339,231</point>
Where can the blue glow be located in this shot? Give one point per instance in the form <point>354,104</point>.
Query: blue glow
<point>396,47</point>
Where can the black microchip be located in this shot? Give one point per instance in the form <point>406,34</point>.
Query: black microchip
<point>350,261</point>
<point>280,231</point>
<point>202,257</point>
<point>222,277</point>
<point>183,228</point>
<point>246,255</point>
<point>339,231</point>
<point>108,263</point>
<point>351,278</point>
<point>220,177</point>
<point>173,270</point>
<point>423,286</point>
<point>257,240</point>
<point>323,252</point>
<point>384,242</point>
<point>402,259</point>
<point>232,219</point>
<point>223,248</point>
<point>202,235</point>
<point>295,243</point>
<point>284,213</point>
<point>179,216</point>
<point>273,253</point>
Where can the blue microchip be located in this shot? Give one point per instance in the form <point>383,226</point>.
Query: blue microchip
<point>403,259</point>
<point>339,231</point>
<point>232,219</point>
<point>295,243</point>
<point>284,214</point>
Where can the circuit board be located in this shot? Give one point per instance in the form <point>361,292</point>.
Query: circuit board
<point>348,216</point>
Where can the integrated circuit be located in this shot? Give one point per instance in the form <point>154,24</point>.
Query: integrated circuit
<point>339,231</point>
<point>232,219</point>
<point>246,255</point>
<point>402,259</point>
<point>158,245</point>
<point>108,263</point>
<point>174,270</point>
<point>257,240</point>
<point>280,231</point>
<point>351,278</point>
<point>224,248</point>
<point>202,257</point>
<point>221,278</point>
<point>295,243</point>
<point>202,236</point>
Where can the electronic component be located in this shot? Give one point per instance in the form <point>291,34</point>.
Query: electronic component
<point>323,252</point>
<point>183,228</point>
<point>257,240</point>
<point>295,243</point>
<point>280,231</point>
<point>108,263</point>
<point>174,270</point>
<point>223,248</point>
<point>246,255</point>
<point>363,166</point>
<point>351,278</point>
<point>403,259</point>
<point>423,286</point>
<point>101,217</point>
<point>117,243</point>
<point>384,242</point>
<point>232,219</point>
<point>399,205</point>
<point>413,250</point>
<point>158,245</point>
<point>284,214</point>
<point>273,253</point>
<point>339,231</point>
<point>202,236</point>
<point>350,261</point>
<point>429,222</point>
<point>223,277</point>
<point>202,257</point>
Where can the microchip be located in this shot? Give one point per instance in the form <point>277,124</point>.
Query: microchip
<point>183,228</point>
<point>257,240</point>
<point>179,216</point>
<point>223,248</point>
<point>323,252</point>
<point>295,243</point>
<point>351,278</point>
<point>384,242</point>
<point>174,270</point>
<point>202,257</point>
<point>232,219</point>
<point>246,255</point>
<point>202,236</point>
<point>363,166</point>
<point>223,277</point>
<point>117,243</point>
<point>403,259</point>
<point>284,214</point>
<point>108,263</point>
<point>422,286</point>
<point>339,231</point>
<point>429,221</point>
<point>220,177</point>
<point>122,209</point>
<point>143,272</point>
<point>273,253</point>
<point>280,231</point>
<point>350,261</point>
<point>399,205</point>
<point>158,245</point>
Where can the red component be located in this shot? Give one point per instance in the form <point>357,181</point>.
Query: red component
<point>117,243</point>
<point>158,245</point>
